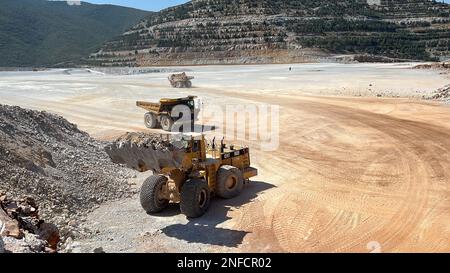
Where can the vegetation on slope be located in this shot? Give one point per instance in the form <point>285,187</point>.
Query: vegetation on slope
<point>45,33</point>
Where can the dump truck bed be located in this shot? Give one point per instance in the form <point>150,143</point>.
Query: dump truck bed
<point>180,77</point>
<point>156,107</point>
<point>187,78</point>
<point>149,106</point>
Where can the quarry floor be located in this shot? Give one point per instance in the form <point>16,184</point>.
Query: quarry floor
<point>362,165</point>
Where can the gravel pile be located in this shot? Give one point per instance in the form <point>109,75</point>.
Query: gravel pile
<point>64,169</point>
<point>442,94</point>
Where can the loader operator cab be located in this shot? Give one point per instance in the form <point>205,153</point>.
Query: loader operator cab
<point>192,144</point>
<point>196,146</point>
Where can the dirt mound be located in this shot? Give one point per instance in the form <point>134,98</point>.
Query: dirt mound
<point>63,168</point>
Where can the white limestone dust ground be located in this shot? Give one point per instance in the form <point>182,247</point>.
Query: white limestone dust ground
<point>362,161</point>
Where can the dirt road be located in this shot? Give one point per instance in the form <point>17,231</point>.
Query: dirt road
<point>350,178</point>
<point>350,174</point>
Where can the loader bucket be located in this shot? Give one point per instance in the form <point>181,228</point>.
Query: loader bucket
<point>146,152</point>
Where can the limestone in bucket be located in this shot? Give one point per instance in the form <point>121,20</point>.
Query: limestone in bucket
<point>147,152</point>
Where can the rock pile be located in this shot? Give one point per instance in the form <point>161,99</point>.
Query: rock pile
<point>66,171</point>
<point>442,93</point>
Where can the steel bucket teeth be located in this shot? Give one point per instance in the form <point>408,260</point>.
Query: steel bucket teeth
<point>145,152</point>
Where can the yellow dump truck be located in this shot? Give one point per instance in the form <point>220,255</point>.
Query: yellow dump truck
<point>180,80</point>
<point>159,115</point>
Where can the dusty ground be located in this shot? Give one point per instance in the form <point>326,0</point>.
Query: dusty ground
<point>351,174</point>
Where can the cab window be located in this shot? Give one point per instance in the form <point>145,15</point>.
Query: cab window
<point>196,147</point>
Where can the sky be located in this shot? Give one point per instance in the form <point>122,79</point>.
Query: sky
<point>152,5</point>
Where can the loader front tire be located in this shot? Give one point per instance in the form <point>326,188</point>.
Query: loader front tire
<point>150,120</point>
<point>195,198</point>
<point>230,182</point>
<point>151,194</point>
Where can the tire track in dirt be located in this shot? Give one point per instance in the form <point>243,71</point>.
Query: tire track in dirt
<point>348,222</point>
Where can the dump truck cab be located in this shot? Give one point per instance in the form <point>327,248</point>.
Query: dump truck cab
<point>159,115</point>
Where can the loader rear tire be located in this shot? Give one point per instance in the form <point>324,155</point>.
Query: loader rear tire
<point>150,195</point>
<point>195,198</point>
<point>230,182</point>
<point>150,120</point>
<point>166,123</point>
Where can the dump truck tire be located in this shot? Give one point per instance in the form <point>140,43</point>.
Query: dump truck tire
<point>150,191</point>
<point>230,182</point>
<point>195,198</point>
<point>150,121</point>
<point>188,84</point>
<point>166,123</point>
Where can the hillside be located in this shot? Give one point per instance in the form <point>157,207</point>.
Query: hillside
<point>45,33</point>
<point>274,31</point>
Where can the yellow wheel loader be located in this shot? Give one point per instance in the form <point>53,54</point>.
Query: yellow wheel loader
<point>187,170</point>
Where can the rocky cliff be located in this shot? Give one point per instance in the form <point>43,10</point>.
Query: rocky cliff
<point>275,31</point>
